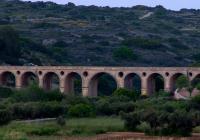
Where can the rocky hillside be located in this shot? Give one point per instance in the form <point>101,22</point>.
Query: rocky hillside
<point>52,34</point>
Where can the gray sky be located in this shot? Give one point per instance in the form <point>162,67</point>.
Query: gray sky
<point>169,4</point>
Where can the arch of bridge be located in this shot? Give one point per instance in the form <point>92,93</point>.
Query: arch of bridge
<point>87,73</point>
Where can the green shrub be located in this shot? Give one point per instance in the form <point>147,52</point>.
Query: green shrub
<point>10,49</point>
<point>13,135</point>
<point>81,110</point>
<point>128,93</point>
<point>5,117</point>
<point>160,12</point>
<point>5,92</point>
<point>143,127</point>
<point>103,108</point>
<point>34,93</point>
<point>178,123</point>
<point>131,120</point>
<point>198,86</point>
<point>34,110</point>
<point>117,107</point>
<point>195,102</point>
<point>108,107</point>
<point>143,43</point>
<point>124,53</point>
<point>162,93</point>
<point>182,82</point>
<point>73,100</point>
<point>181,123</point>
<point>61,121</point>
<point>43,131</point>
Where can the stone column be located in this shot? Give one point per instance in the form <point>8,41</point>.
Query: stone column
<point>144,87</point>
<point>62,84</point>
<point>167,87</point>
<point>41,84</point>
<point>85,87</point>
<point>18,82</point>
<point>120,83</point>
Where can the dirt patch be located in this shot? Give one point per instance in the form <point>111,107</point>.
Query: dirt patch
<point>122,136</point>
<point>141,136</point>
<point>138,136</point>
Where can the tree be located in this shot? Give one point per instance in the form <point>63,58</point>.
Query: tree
<point>10,50</point>
<point>124,53</point>
<point>128,93</point>
<point>131,120</point>
<point>182,82</point>
<point>81,110</point>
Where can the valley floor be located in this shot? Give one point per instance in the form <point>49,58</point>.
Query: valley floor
<point>77,129</point>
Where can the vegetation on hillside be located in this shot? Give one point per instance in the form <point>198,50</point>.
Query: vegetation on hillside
<point>91,35</point>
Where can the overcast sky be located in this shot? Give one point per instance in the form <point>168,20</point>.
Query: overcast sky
<point>169,4</point>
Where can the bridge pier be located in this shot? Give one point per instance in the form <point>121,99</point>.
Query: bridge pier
<point>167,85</point>
<point>18,83</point>
<point>41,83</point>
<point>120,83</point>
<point>144,87</point>
<point>85,91</point>
<point>62,85</point>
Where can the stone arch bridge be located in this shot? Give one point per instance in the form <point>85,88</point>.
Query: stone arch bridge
<point>89,76</point>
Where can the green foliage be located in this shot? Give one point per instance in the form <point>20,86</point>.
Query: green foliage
<point>81,110</point>
<point>162,93</point>
<point>124,53</point>
<point>90,29</point>
<point>160,12</point>
<point>182,82</point>
<point>195,82</point>
<point>176,43</point>
<point>34,93</point>
<point>179,123</point>
<point>131,120</point>
<point>32,110</point>
<point>61,121</point>
<point>195,102</point>
<point>43,131</point>
<point>5,117</point>
<point>50,129</point>
<point>10,50</point>
<point>113,105</point>
<point>128,93</point>
<point>73,100</point>
<point>5,92</point>
<point>143,43</point>
<point>143,127</point>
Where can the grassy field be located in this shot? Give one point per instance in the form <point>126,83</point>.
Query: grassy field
<point>51,130</point>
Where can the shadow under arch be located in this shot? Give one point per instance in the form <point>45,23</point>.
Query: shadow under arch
<point>132,81</point>
<point>173,80</point>
<point>8,79</point>
<point>51,81</point>
<point>29,78</point>
<point>155,83</point>
<point>103,84</point>
<point>73,84</point>
<point>196,80</point>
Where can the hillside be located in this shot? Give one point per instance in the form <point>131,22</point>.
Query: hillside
<point>51,34</point>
